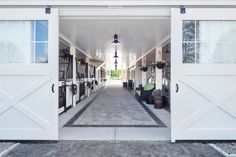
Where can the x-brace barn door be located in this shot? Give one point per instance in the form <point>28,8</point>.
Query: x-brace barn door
<point>28,74</point>
<point>203,94</point>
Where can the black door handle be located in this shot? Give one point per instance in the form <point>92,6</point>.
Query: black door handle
<point>53,88</point>
<point>177,88</point>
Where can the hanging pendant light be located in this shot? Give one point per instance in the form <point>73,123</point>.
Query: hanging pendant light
<point>116,56</point>
<point>116,62</point>
<point>116,41</point>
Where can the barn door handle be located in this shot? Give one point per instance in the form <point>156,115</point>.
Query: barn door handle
<point>177,88</point>
<point>53,88</point>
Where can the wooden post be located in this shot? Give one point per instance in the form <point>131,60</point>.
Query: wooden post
<point>73,52</point>
<point>144,77</point>
<point>158,71</point>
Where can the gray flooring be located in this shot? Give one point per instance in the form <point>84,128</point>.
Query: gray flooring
<point>5,145</point>
<point>115,106</point>
<point>228,147</point>
<point>113,149</point>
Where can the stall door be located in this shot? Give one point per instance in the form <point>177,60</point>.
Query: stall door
<point>28,74</point>
<point>203,103</point>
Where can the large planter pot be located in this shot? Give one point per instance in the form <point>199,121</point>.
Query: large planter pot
<point>149,100</point>
<point>158,102</point>
<point>88,84</point>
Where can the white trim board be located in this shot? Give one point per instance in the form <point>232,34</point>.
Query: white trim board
<point>104,3</point>
<point>114,13</point>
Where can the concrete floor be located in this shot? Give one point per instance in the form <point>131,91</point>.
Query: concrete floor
<point>113,149</point>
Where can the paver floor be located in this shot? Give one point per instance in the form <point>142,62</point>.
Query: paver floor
<point>115,106</point>
<point>4,146</point>
<point>113,149</point>
<point>228,147</point>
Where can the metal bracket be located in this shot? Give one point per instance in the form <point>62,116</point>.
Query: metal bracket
<point>48,10</point>
<point>182,10</point>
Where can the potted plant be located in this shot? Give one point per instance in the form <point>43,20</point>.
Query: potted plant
<point>88,84</point>
<point>160,64</point>
<point>82,61</point>
<point>158,98</point>
<point>144,69</point>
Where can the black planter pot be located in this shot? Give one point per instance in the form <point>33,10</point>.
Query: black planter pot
<point>160,66</point>
<point>158,102</point>
<point>144,69</point>
<point>82,62</point>
<point>88,84</point>
<point>149,100</point>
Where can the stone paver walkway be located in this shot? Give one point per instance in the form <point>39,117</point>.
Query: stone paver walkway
<point>227,147</point>
<point>115,106</point>
<point>5,147</point>
<point>113,149</point>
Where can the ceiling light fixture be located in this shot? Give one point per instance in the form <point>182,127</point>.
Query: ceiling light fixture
<point>116,56</point>
<point>116,41</point>
<point>116,62</point>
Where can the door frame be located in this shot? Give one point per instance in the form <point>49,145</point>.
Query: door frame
<point>116,14</point>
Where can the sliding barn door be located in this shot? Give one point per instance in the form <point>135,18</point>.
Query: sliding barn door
<point>203,94</point>
<point>28,74</point>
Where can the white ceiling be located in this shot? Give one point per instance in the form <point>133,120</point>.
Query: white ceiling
<point>94,36</point>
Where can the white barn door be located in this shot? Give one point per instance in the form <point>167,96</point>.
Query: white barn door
<point>28,74</point>
<point>203,94</point>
